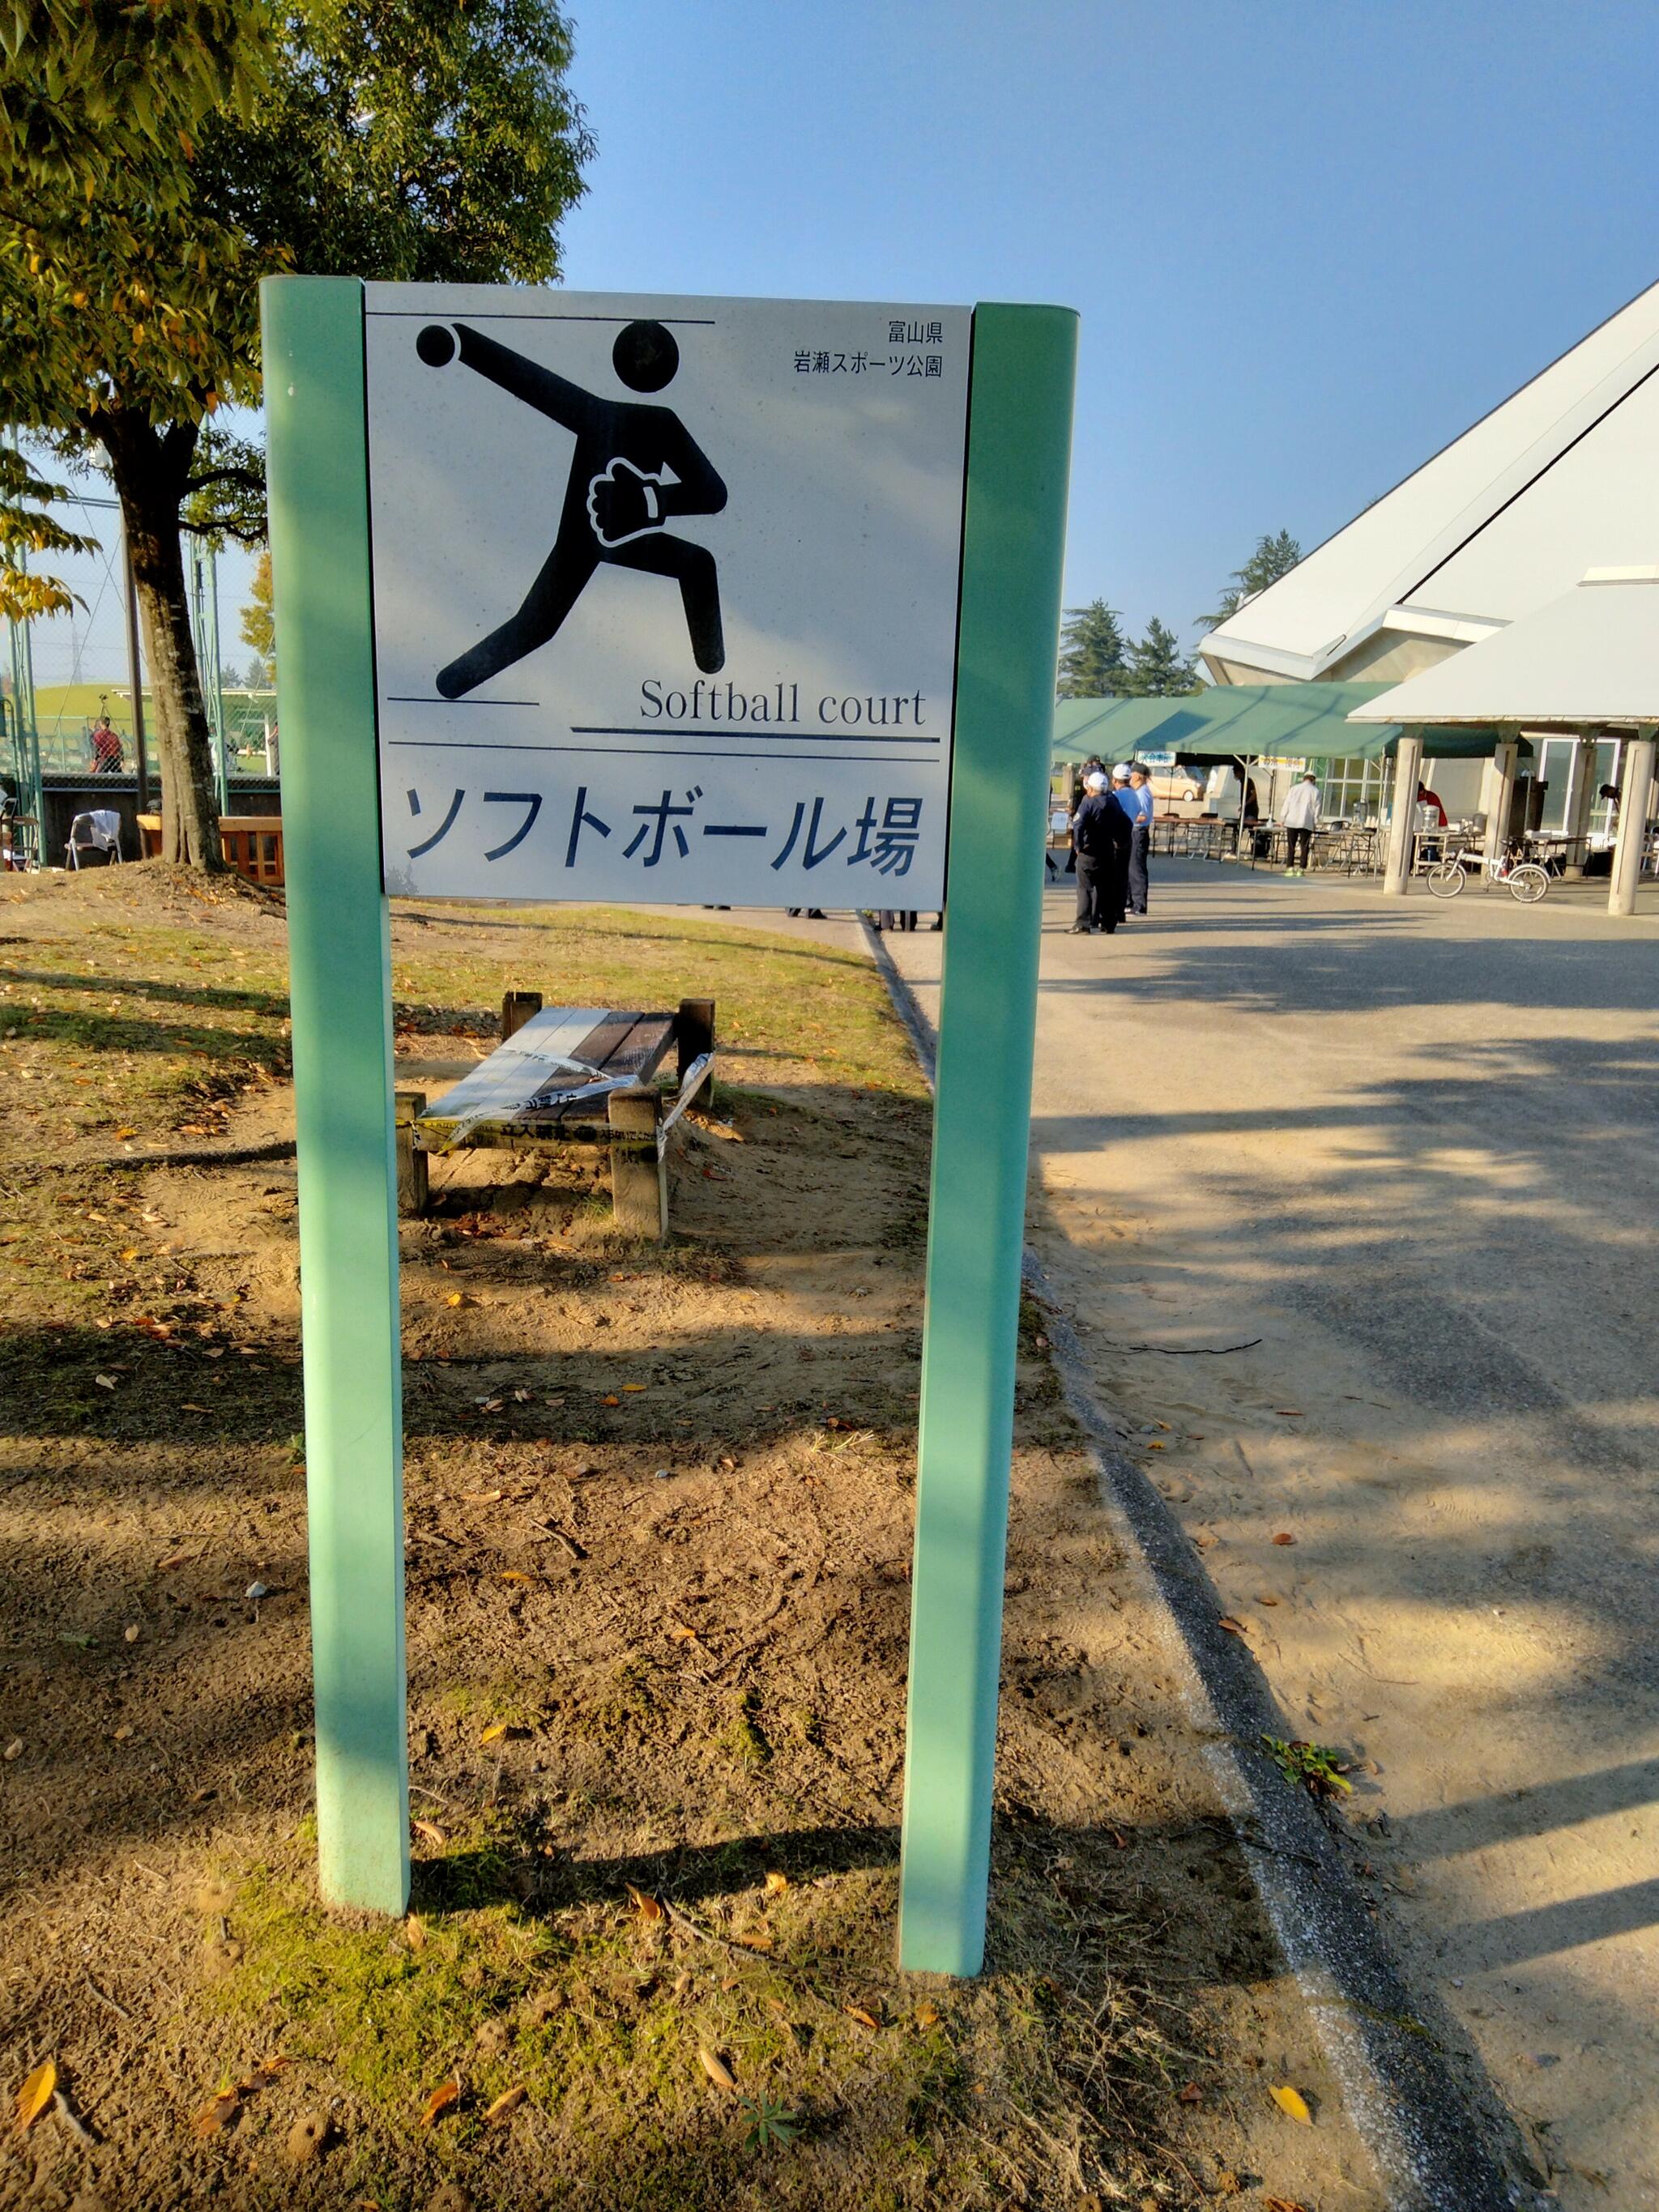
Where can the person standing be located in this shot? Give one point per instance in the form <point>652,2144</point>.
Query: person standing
<point>1099,833</point>
<point>1139,803</point>
<point>1299,818</point>
<point>106,754</point>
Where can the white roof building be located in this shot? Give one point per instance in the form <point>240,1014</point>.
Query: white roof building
<point>1562,477</point>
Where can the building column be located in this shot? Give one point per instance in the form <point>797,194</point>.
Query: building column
<point>1407,774</point>
<point>1581,798</point>
<point>1499,795</point>
<point>1635,788</point>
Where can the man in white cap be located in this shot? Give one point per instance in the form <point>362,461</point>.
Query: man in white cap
<point>1100,835</point>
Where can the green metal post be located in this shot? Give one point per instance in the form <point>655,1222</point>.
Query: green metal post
<point>1019,435</point>
<point>340,981</point>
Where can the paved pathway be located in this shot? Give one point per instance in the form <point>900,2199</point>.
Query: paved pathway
<point>1415,1148</point>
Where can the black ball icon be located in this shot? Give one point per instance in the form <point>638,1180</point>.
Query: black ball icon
<point>435,345</point>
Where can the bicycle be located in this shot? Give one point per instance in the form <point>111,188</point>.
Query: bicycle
<point>1526,881</point>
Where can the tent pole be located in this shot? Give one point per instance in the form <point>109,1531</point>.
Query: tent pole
<point>1407,772</point>
<point>1504,762</point>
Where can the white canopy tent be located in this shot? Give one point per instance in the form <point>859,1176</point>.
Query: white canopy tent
<point>1587,663</point>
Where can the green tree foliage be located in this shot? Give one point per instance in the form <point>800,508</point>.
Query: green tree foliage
<point>1274,556</point>
<point>88,87</point>
<point>1158,669</point>
<point>28,530</point>
<point>258,621</point>
<point>410,139</point>
<point>1092,653</point>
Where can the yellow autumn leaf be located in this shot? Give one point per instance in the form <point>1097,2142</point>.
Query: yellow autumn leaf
<point>647,1905</point>
<point>494,1732</point>
<point>415,1932</point>
<point>926,2015</point>
<point>634,1386</point>
<point>864,2019</point>
<point>777,1884</point>
<point>1293,2104</point>
<point>36,2093</point>
<point>508,2101</point>
<point>446,2094</point>
<point>716,2068</point>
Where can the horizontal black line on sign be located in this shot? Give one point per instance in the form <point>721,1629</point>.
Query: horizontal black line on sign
<point>420,699</point>
<point>513,315</point>
<point>762,733</point>
<point>651,752</point>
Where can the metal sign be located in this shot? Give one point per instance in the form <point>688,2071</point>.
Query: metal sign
<point>665,594</point>
<point>515,558</point>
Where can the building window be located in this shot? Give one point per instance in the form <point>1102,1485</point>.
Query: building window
<point>1354,790</point>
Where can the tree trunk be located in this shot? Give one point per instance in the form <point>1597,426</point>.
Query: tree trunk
<point>150,468</point>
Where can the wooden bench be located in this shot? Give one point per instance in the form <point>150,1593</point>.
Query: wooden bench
<point>250,843</point>
<point>565,1075</point>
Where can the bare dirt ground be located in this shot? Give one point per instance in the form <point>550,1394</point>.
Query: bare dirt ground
<point>1403,1156</point>
<point>659,1512</point>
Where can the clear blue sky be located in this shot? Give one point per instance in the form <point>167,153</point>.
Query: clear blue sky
<point>1310,243</point>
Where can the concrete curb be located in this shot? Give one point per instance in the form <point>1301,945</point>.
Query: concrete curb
<point>1437,2129</point>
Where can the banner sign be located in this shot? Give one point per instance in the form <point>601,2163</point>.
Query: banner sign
<point>666,595</point>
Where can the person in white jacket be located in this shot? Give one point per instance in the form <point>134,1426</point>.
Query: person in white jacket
<point>1299,818</point>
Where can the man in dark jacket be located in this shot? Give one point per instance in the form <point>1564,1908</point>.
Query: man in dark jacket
<point>1100,839</point>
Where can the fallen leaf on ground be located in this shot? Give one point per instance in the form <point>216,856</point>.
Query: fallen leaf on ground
<point>415,1932</point>
<point>777,1884</point>
<point>1232,1626</point>
<point>716,2068</point>
<point>1280,2204</point>
<point>1290,1413</point>
<point>1191,2094</point>
<point>36,2093</point>
<point>459,1298</point>
<point>212,2117</point>
<point>611,1400</point>
<point>1284,1537</point>
<point>494,1732</point>
<point>428,1832</point>
<point>634,1386</point>
<point>516,1575</point>
<point>446,2094</point>
<point>926,2015</point>
<point>645,1903</point>
<point>864,2019</point>
<point>105,1382</point>
<point>508,2101</point>
<point>484,1497</point>
<point>1293,2104</point>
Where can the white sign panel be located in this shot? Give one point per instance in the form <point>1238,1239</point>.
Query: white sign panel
<point>665,594</point>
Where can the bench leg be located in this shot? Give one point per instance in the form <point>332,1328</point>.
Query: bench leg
<point>639,1174</point>
<point>517,1007</point>
<point>407,1107</point>
<point>694,1034</point>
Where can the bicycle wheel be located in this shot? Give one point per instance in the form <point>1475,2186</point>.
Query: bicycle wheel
<point>1528,883</point>
<point>1445,878</point>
